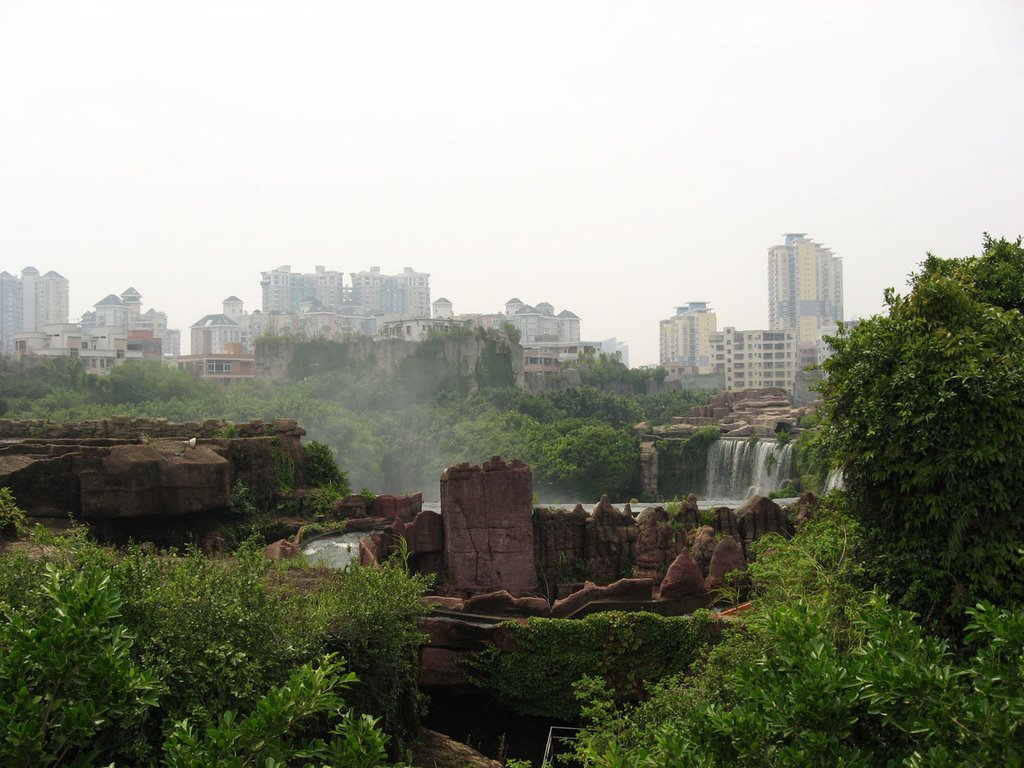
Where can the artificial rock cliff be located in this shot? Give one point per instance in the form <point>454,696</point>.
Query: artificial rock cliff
<point>110,472</point>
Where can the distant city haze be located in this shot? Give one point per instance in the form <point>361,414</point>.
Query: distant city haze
<point>617,160</point>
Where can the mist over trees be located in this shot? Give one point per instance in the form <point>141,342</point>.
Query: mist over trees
<point>392,433</point>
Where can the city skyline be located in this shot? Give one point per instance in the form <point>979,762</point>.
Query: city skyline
<point>617,160</point>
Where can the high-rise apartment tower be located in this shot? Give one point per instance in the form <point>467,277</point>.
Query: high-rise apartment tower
<point>805,288</point>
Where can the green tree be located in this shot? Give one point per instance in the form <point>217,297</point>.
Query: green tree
<point>925,414</point>
<point>584,461</point>
<point>139,381</point>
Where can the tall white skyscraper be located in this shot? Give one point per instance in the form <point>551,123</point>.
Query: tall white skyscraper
<point>805,289</point>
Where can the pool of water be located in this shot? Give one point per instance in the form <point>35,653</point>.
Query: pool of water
<point>335,550</point>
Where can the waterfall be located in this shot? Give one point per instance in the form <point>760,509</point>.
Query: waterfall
<point>834,481</point>
<point>740,468</point>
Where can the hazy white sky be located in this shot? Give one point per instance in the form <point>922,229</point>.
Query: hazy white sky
<point>613,158</point>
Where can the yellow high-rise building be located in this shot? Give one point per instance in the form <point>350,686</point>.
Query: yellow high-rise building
<point>805,289</point>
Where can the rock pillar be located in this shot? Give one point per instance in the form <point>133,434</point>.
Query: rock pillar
<point>488,527</point>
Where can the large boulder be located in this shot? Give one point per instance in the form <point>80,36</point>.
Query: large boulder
<point>621,591</point>
<point>702,546</point>
<point>502,602</point>
<point>610,541</point>
<point>655,543</point>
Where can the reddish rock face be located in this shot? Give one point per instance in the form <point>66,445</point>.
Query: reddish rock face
<point>655,544</point>
<point>683,580</point>
<point>728,557</point>
<point>702,547</point>
<point>141,480</point>
<point>488,527</point>
<point>404,507</point>
<point>503,602</point>
<point>623,590</point>
<point>281,549</point>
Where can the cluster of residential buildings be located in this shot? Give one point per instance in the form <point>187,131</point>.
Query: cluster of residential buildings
<point>805,299</point>
<point>318,304</point>
<point>805,304</point>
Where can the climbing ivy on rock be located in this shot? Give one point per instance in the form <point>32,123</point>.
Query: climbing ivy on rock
<point>626,650</point>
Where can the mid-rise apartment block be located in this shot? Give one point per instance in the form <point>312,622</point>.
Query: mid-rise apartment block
<point>125,313</point>
<point>805,289</point>
<point>759,358</point>
<point>539,323</point>
<point>685,338</point>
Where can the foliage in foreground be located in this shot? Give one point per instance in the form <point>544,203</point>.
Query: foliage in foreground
<point>139,659</point>
<point>826,673</point>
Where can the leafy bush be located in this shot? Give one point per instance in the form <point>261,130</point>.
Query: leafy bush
<point>12,517</point>
<point>368,616</point>
<point>69,684</point>
<point>276,732</point>
<point>208,629</point>
<point>825,673</point>
<point>322,468</point>
<point>925,413</point>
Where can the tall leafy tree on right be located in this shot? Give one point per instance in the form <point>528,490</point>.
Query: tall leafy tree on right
<point>925,414</point>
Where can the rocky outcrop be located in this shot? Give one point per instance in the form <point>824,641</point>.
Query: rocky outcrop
<point>559,540</point>
<point>146,479</point>
<point>683,581</point>
<point>404,507</point>
<point>152,480</point>
<point>728,557</point>
<point>756,517</point>
<point>703,541</point>
<point>610,538</point>
<point>503,602</point>
<point>635,591</point>
<point>656,543</point>
<point>488,527</point>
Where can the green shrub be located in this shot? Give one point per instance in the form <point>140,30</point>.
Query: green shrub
<point>787,491</point>
<point>924,410</point>
<point>277,731</point>
<point>209,629</point>
<point>322,468</point>
<point>369,617</point>
<point>825,673</point>
<point>69,685</point>
<point>12,517</point>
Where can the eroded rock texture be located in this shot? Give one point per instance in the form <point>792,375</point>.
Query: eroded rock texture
<point>488,527</point>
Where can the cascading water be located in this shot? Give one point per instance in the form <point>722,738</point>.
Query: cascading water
<point>740,468</point>
<point>834,481</point>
